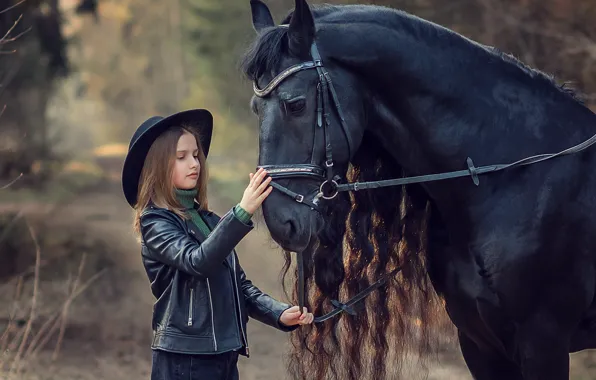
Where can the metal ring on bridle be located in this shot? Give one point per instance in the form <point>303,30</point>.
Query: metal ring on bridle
<point>334,189</point>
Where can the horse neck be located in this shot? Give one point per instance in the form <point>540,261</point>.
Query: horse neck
<point>441,98</point>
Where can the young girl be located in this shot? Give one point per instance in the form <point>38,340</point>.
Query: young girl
<point>203,298</point>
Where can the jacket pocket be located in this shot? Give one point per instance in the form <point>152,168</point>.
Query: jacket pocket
<point>189,311</point>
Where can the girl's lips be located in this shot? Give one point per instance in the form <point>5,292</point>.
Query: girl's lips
<point>194,175</point>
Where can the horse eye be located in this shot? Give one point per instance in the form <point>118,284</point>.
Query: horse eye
<point>295,106</point>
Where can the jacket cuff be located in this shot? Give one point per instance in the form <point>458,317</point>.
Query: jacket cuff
<point>242,215</point>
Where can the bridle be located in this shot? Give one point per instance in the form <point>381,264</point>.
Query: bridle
<point>328,188</point>
<point>330,184</point>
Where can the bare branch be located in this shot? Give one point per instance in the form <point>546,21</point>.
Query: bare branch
<point>17,36</point>
<point>12,7</point>
<point>4,38</point>
<point>66,307</point>
<point>56,321</point>
<point>16,366</point>
<point>56,316</point>
<point>11,182</point>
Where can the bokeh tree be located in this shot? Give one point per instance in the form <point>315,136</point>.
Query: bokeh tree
<point>32,57</point>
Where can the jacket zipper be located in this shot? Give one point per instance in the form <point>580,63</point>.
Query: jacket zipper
<point>190,307</point>
<point>212,312</point>
<point>238,300</point>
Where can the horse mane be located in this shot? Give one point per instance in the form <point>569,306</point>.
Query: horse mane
<point>268,49</point>
<point>548,79</point>
<point>368,234</point>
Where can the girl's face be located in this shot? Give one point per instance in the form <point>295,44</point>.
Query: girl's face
<point>187,166</point>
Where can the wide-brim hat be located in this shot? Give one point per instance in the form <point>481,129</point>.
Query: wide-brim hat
<point>200,119</point>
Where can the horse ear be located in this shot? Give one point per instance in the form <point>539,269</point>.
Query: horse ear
<point>261,16</point>
<point>301,32</point>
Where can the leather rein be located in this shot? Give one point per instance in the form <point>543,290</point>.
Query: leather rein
<point>330,185</point>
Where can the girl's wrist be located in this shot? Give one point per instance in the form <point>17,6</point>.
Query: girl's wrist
<point>242,214</point>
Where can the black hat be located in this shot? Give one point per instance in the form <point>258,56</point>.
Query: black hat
<point>148,132</point>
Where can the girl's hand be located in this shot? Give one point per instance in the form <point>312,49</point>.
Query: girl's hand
<point>292,316</point>
<point>256,191</point>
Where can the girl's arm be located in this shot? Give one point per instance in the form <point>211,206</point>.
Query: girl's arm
<point>261,306</point>
<point>165,235</point>
<point>168,242</point>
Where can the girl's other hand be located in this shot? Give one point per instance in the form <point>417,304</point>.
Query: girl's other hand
<point>292,316</point>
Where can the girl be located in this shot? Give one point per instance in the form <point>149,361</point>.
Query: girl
<point>203,298</point>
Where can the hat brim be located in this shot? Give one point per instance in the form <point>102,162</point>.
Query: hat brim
<point>135,159</point>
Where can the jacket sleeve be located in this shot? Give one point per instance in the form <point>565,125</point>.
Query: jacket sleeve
<point>261,306</point>
<point>168,242</point>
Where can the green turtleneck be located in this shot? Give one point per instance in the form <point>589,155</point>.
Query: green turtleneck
<point>187,200</point>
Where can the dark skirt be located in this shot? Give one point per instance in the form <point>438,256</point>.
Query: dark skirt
<point>172,366</point>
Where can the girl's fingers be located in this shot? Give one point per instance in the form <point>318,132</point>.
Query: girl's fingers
<point>263,185</point>
<point>293,314</point>
<point>264,195</point>
<point>309,318</point>
<point>253,177</point>
<point>262,173</point>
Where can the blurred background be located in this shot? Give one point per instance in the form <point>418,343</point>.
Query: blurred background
<point>76,79</point>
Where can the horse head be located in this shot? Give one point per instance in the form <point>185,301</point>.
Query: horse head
<point>312,120</point>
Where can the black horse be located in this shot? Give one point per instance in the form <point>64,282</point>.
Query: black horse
<point>391,94</point>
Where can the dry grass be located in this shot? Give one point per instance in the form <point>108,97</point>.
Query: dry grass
<point>21,344</point>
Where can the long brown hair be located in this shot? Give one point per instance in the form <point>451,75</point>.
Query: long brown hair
<point>156,183</point>
<point>367,235</point>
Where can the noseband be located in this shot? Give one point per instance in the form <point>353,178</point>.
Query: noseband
<point>330,184</point>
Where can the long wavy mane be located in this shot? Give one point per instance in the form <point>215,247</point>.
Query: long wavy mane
<point>368,234</point>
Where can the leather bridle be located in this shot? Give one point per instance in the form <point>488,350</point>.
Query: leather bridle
<point>328,188</point>
<point>330,184</point>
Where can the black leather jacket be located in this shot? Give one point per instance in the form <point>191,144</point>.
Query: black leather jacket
<point>203,296</point>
